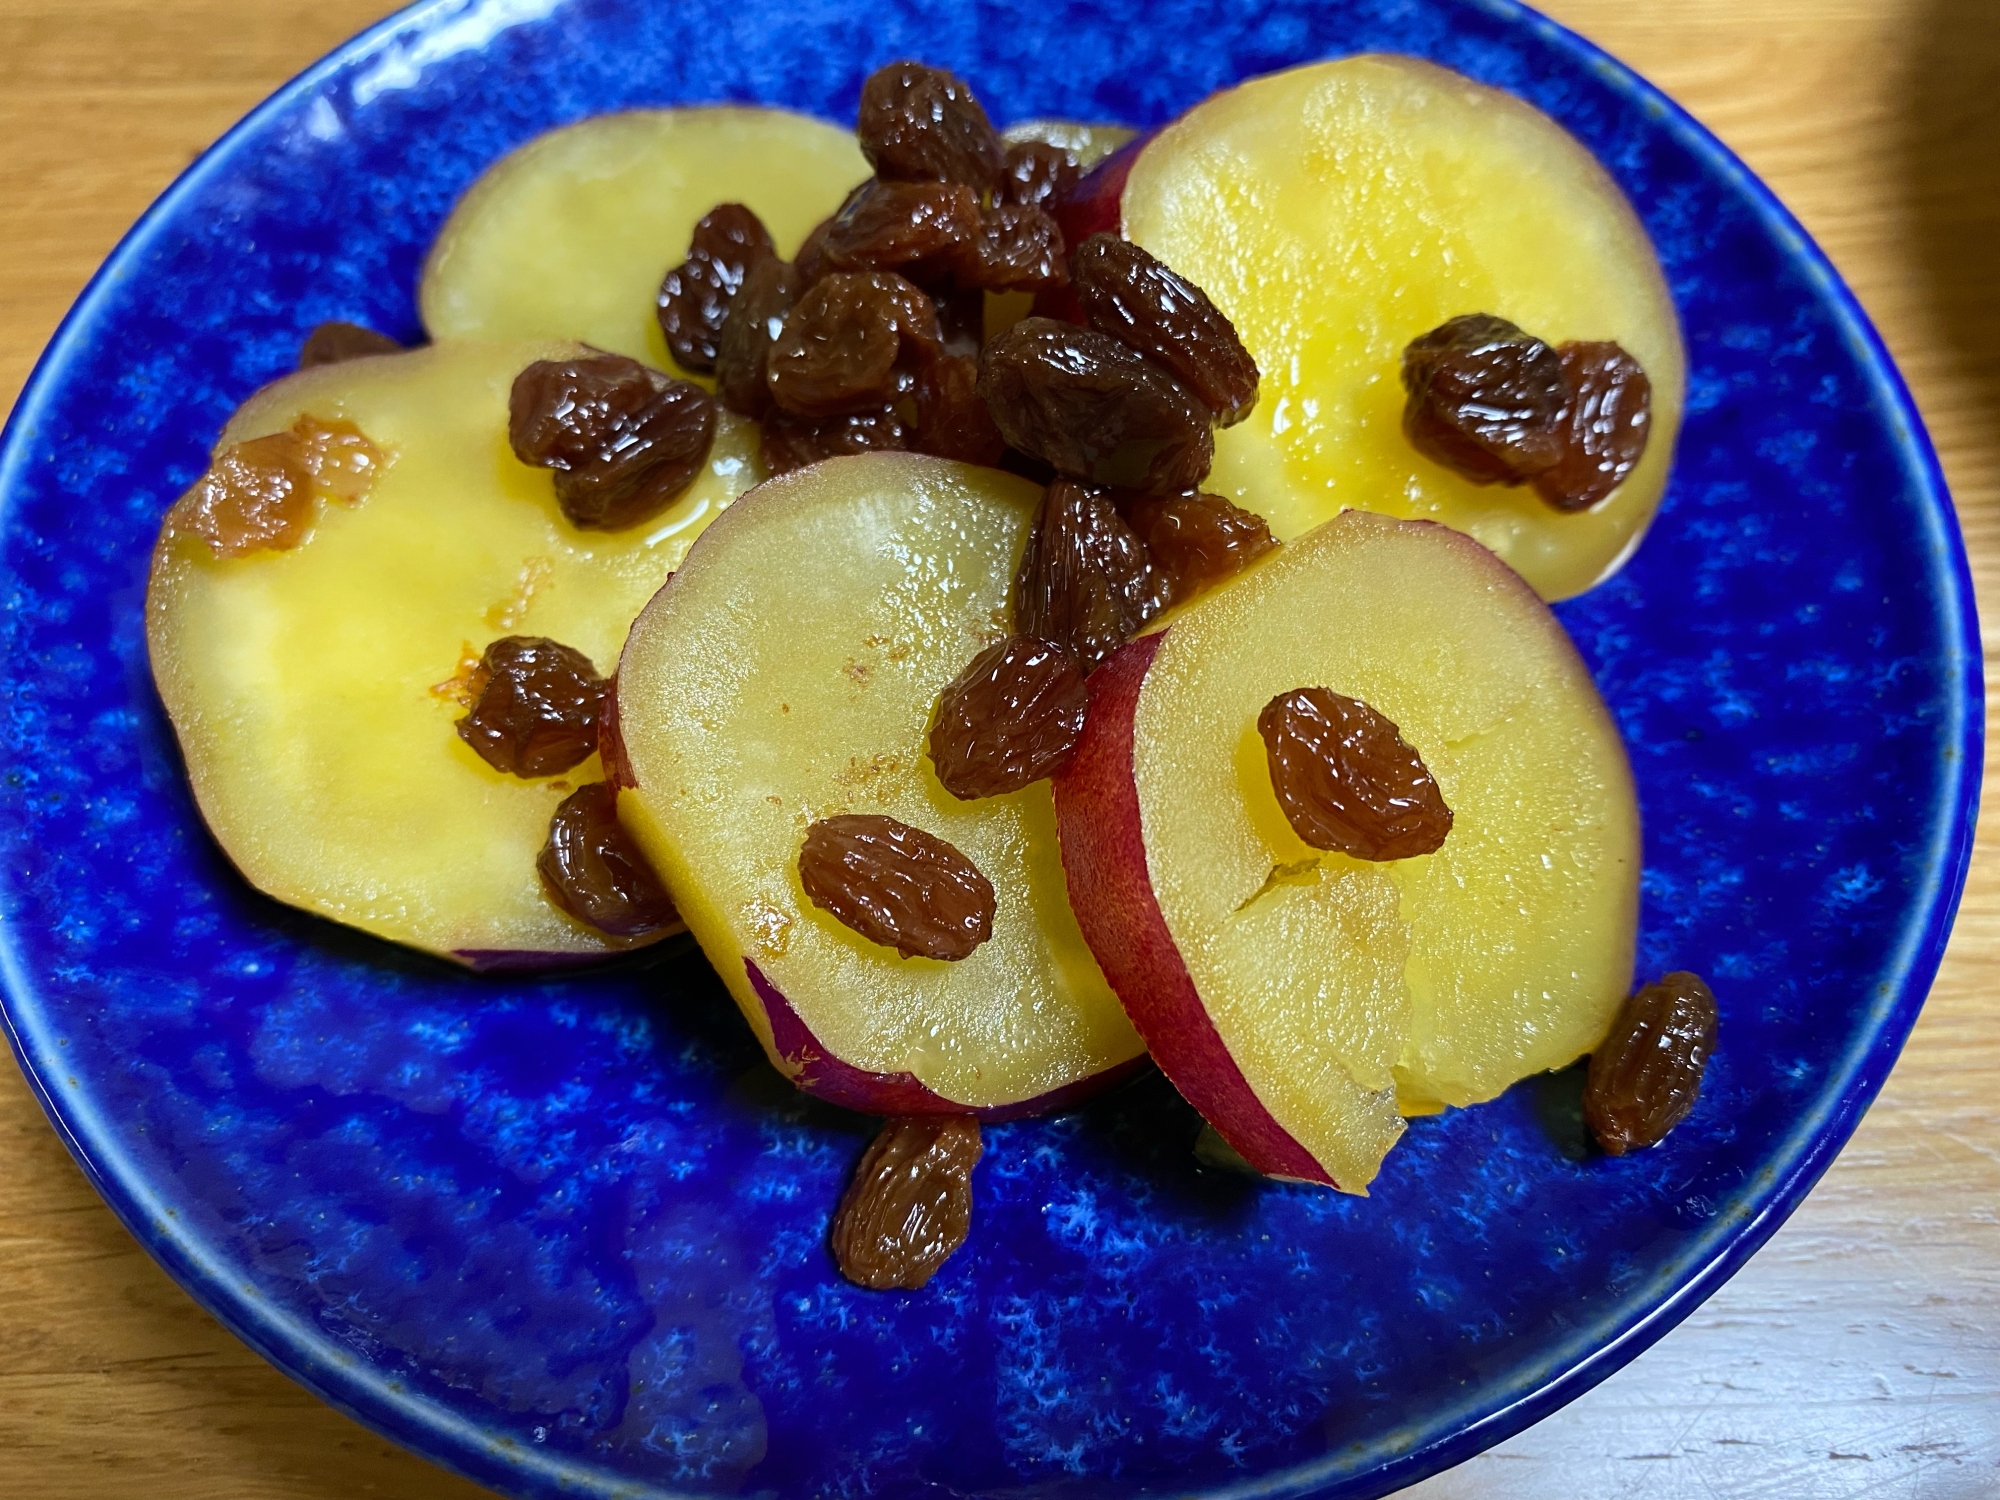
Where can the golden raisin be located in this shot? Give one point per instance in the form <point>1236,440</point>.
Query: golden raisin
<point>535,704</point>
<point>909,1204</point>
<point>1645,1077</point>
<point>256,496</point>
<point>592,868</point>
<point>1086,581</point>
<point>1485,400</point>
<point>1198,541</point>
<point>343,463</point>
<point>1606,420</point>
<point>896,885</point>
<point>1347,779</point>
<point>1010,718</point>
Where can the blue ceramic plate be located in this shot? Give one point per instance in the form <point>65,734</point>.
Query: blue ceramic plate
<point>567,1236</point>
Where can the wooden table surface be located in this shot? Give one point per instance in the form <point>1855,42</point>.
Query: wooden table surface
<point>1858,1354</point>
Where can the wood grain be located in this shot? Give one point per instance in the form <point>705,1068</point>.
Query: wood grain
<point>1858,1354</point>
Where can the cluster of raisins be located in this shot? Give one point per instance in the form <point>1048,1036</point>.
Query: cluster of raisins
<point>534,708</point>
<point>1500,406</point>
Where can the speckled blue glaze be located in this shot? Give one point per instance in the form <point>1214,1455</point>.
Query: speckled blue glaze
<point>567,1236</point>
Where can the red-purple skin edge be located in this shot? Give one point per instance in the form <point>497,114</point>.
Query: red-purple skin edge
<point>806,1061</point>
<point>1111,891</point>
<point>1091,207</point>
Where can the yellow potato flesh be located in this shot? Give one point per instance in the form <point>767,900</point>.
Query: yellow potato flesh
<point>1337,211</point>
<point>301,683</point>
<point>788,674</point>
<point>569,236</point>
<point>1338,984</point>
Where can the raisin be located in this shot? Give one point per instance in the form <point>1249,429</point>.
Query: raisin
<point>624,440</point>
<point>343,463</point>
<point>920,124</point>
<point>1009,719</point>
<point>1347,780</point>
<point>534,706</point>
<point>1037,173</point>
<point>961,315</point>
<point>1485,400</point>
<point>928,230</point>
<point>1126,293</point>
<point>756,317</point>
<point>811,259</point>
<point>255,496</point>
<point>1605,422</point>
<point>1086,581</point>
<point>896,885</point>
<point>336,342</point>
<point>1093,408</point>
<point>791,442</point>
<point>1197,540</point>
<point>1019,249</point>
<point>1645,1076</point>
<point>853,343</point>
<point>695,296</point>
<point>592,869</point>
<point>909,1204</point>
<point>952,422</point>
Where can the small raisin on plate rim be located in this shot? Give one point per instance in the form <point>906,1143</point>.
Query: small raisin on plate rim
<point>909,1204</point>
<point>1646,1075</point>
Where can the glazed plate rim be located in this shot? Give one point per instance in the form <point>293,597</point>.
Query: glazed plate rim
<point>379,1400</point>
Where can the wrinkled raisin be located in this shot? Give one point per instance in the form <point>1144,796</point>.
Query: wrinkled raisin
<point>852,343</point>
<point>756,317</point>
<point>929,231</point>
<point>255,496</point>
<point>909,1204</point>
<point>534,706</point>
<point>920,124</point>
<point>1347,780</point>
<point>1605,423</point>
<point>336,342</point>
<point>1196,540</point>
<point>624,440</point>
<point>1010,718</point>
<point>1093,408</point>
<point>592,868</point>
<point>1019,249</point>
<point>896,885</point>
<point>1037,173</point>
<point>695,296</point>
<point>1086,581</point>
<point>791,442</point>
<point>1485,400</point>
<point>1646,1075</point>
<point>952,422</point>
<point>1139,301</point>
<point>811,259</point>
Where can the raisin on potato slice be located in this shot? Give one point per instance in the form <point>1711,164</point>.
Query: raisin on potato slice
<point>534,706</point>
<point>1011,718</point>
<point>1086,581</point>
<point>1485,400</point>
<point>624,440</point>
<point>1196,540</point>
<point>791,442</point>
<point>853,343</point>
<point>1347,780</point>
<point>592,869</point>
<point>695,295</point>
<point>909,1203</point>
<point>1606,419</point>
<point>1646,1075</point>
<point>756,318</point>
<point>896,885</point>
